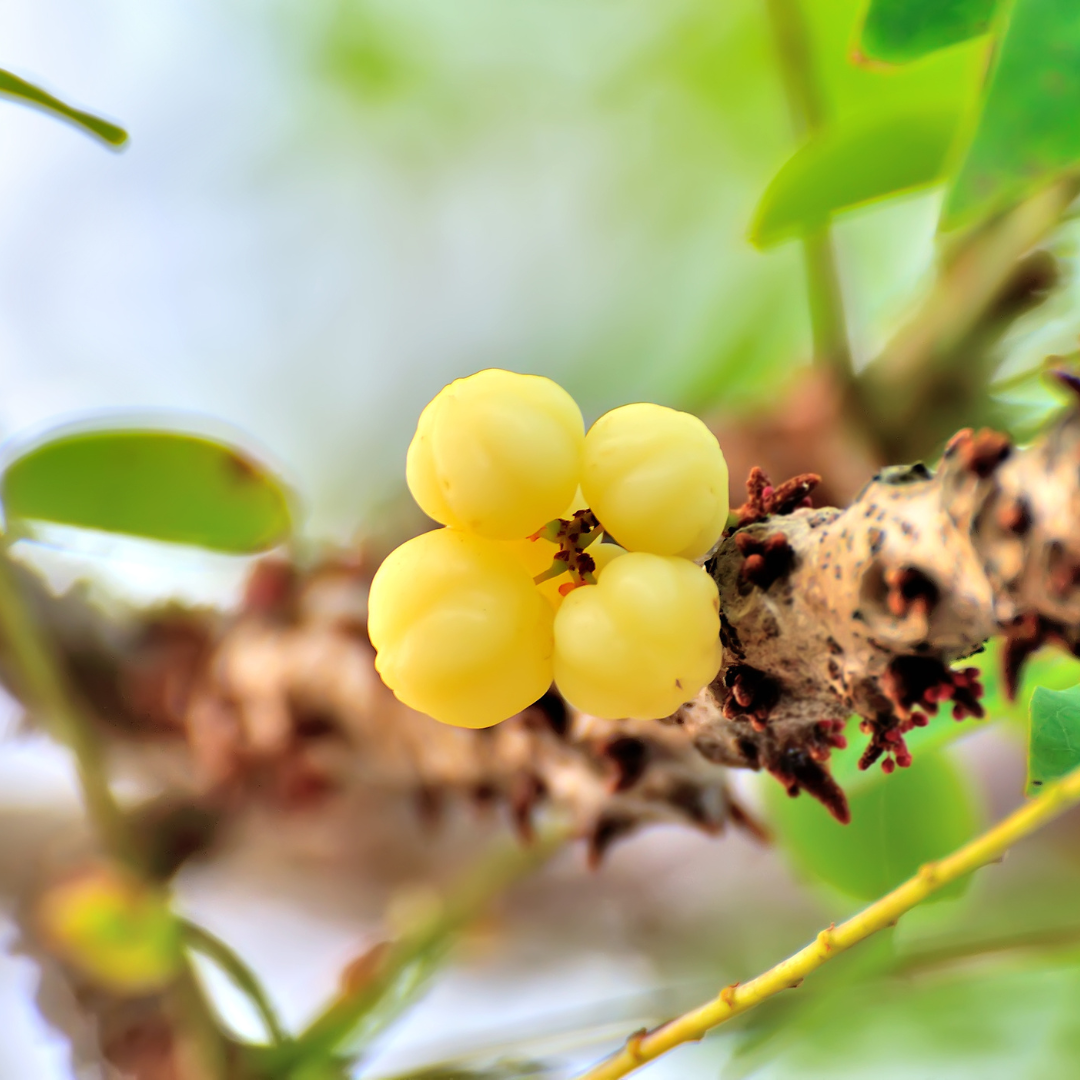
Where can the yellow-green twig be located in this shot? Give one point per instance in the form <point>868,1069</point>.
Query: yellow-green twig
<point>739,998</point>
<point>42,681</point>
<point>416,952</point>
<point>200,940</point>
<point>806,104</point>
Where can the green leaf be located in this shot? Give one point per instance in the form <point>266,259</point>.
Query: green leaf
<point>950,79</point>
<point>1027,133</point>
<point>897,31</point>
<point>19,88</point>
<point>898,822</point>
<point>180,488</point>
<point>1054,736</point>
<point>852,165</point>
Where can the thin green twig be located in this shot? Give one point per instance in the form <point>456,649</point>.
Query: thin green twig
<point>42,680</point>
<point>929,958</point>
<point>39,676</point>
<point>202,941</point>
<point>415,954</point>
<point>806,104</point>
<point>215,1050</point>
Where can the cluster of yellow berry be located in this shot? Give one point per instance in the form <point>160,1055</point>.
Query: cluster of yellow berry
<point>566,557</point>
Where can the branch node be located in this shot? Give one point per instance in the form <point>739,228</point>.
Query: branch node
<point>633,1044</point>
<point>825,939</point>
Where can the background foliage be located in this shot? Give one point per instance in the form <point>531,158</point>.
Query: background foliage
<point>328,210</point>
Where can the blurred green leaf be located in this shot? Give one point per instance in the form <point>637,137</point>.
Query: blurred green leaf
<point>950,79</point>
<point>897,31</point>
<point>898,822</point>
<point>502,1070</point>
<point>988,1020</point>
<point>15,87</point>
<point>365,53</point>
<point>1054,736</point>
<point>1050,667</point>
<point>159,485</point>
<point>1028,131</point>
<point>851,165</point>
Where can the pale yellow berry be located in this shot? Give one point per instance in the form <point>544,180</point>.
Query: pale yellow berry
<point>497,454</point>
<point>603,555</point>
<point>642,641</point>
<point>657,480</point>
<point>460,630</point>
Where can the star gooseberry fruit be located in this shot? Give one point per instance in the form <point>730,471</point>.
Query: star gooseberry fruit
<point>642,641</point>
<point>497,453</point>
<point>460,630</point>
<point>657,479</point>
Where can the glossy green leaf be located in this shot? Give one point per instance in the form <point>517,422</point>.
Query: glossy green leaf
<point>1027,132</point>
<point>1054,736</point>
<point>15,87</point>
<point>898,822</point>
<point>852,165</point>
<point>159,485</point>
<point>897,31</point>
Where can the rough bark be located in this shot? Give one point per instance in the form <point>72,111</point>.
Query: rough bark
<point>828,614</point>
<point>278,706</point>
<point>825,613</point>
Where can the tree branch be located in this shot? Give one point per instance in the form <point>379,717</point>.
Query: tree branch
<point>826,613</point>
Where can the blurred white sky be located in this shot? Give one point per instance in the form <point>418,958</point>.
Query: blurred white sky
<point>260,256</point>
<point>309,268</point>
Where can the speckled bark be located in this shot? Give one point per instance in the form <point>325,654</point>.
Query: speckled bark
<point>828,614</point>
<point>277,708</point>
